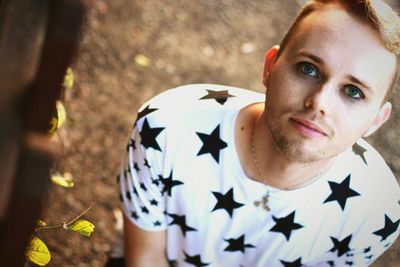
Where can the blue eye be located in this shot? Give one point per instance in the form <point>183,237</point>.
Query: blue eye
<point>353,92</point>
<point>308,69</point>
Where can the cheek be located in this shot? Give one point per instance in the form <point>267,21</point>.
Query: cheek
<point>353,125</point>
<point>283,88</point>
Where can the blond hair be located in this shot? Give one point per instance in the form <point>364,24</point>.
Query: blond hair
<point>375,13</point>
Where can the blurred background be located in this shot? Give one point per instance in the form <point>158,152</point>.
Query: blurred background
<point>132,50</point>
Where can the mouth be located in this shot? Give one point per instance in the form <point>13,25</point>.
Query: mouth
<point>307,128</point>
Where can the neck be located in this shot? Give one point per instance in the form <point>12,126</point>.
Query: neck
<point>274,169</point>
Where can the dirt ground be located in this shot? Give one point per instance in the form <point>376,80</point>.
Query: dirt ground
<point>186,42</point>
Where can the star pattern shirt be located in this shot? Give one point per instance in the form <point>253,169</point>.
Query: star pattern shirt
<point>181,174</point>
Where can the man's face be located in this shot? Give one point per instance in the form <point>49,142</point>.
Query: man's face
<point>326,89</point>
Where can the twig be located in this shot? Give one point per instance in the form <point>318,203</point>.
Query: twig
<point>63,224</point>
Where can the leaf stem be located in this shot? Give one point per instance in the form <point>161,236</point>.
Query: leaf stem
<point>80,215</point>
<point>63,224</point>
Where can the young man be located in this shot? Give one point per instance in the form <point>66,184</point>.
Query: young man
<point>221,176</point>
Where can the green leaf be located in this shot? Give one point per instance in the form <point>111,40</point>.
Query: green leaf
<point>83,227</point>
<point>63,180</point>
<point>37,252</point>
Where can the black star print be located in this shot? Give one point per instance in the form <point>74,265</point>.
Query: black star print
<point>237,244</point>
<point>131,145</point>
<point>341,246</point>
<point>143,186</point>
<point>211,144</point>
<point>145,210</point>
<point>389,228</point>
<point>368,249</point>
<point>341,192</point>
<point>157,223</point>
<point>219,96</point>
<point>153,202</point>
<point>145,111</point>
<point>359,151</point>
<point>180,220</point>
<point>331,263</point>
<point>128,195</point>
<point>286,225</point>
<point>226,202</point>
<point>169,183</point>
<point>195,260</point>
<point>146,164</point>
<point>136,167</point>
<point>350,263</point>
<point>156,181</point>
<point>135,191</point>
<point>172,263</point>
<point>149,135</point>
<point>134,215</point>
<point>369,257</point>
<point>296,263</point>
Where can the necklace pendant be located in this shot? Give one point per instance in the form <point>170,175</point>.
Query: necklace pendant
<point>264,202</point>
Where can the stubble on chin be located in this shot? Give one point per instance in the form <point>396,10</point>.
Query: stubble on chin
<point>293,148</point>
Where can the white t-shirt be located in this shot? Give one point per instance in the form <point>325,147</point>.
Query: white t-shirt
<point>181,174</point>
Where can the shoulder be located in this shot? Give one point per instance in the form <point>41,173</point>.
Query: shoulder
<point>199,99</point>
<point>368,160</point>
<point>372,175</point>
<point>202,95</point>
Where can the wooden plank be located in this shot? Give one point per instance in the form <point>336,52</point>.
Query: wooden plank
<point>33,85</point>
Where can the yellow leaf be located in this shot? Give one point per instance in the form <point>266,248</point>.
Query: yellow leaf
<point>142,61</point>
<point>68,79</point>
<point>59,117</point>
<point>37,252</point>
<point>61,114</point>
<point>41,223</point>
<point>83,227</point>
<point>62,180</point>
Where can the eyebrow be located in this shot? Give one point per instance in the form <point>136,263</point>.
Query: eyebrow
<point>311,56</point>
<point>320,61</point>
<point>363,84</point>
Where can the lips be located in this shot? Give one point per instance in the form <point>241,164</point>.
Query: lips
<point>308,125</point>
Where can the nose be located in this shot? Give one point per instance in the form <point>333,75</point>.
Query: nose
<point>320,99</point>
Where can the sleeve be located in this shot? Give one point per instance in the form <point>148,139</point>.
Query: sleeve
<point>378,233</point>
<point>380,227</point>
<point>372,223</point>
<point>140,177</point>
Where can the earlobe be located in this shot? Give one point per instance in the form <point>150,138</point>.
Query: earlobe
<point>381,118</point>
<point>269,62</point>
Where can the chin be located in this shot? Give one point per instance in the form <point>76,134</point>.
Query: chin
<point>298,151</point>
<point>298,154</point>
<point>296,148</point>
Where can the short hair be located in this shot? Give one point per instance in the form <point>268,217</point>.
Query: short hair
<point>375,13</point>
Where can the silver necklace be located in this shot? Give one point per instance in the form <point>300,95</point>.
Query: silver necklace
<point>265,199</point>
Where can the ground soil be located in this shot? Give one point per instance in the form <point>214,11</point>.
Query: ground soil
<point>186,42</point>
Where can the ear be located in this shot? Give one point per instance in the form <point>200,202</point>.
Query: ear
<point>381,118</point>
<point>269,62</point>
